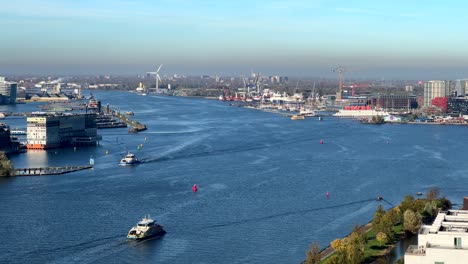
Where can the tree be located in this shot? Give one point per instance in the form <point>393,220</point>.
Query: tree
<point>407,203</point>
<point>6,168</point>
<point>381,237</point>
<point>432,193</point>
<point>444,204</point>
<point>411,222</point>
<point>313,256</point>
<point>377,220</point>
<point>355,248</point>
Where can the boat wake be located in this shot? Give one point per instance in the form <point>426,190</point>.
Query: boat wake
<point>177,153</point>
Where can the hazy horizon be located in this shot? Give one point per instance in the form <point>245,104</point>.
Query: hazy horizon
<point>373,40</point>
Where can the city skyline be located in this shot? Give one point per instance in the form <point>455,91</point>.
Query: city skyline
<point>394,39</point>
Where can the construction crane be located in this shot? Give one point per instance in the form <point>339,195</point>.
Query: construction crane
<point>340,69</point>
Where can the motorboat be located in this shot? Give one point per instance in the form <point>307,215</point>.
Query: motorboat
<point>129,159</point>
<point>145,228</point>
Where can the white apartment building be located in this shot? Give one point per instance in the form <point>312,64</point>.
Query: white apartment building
<point>443,242</point>
<point>433,89</point>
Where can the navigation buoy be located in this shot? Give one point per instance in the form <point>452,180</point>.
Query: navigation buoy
<point>194,188</point>
<point>107,151</point>
<point>327,194</point>
<point>138,147</point>
<point>145,139</point>
<point>321,141</point>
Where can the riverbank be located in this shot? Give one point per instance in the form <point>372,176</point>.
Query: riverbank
<point>374,250</point>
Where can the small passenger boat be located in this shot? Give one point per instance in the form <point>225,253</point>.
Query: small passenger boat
<point>129,159</point>
<point>144,229</point>
<point>297,117</point>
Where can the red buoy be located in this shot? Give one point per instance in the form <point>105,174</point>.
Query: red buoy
<point>194,188</point>
<point>327,194</point>
<point>321,141</point>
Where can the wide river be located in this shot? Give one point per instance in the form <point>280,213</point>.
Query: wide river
<point>262,182</point>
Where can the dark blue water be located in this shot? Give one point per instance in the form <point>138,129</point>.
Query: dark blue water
<point>262,181</point>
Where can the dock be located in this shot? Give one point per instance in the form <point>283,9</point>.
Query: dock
<point>136,126</point>
<point>49,170</point>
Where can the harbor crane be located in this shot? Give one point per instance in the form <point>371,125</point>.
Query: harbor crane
<point>340,69</point>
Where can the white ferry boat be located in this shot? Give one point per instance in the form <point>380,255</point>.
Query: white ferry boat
<point>146,228</point>
<point>129,159</point>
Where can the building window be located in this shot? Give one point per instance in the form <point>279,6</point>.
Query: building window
<point>457,241</point>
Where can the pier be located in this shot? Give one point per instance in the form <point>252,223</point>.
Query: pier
<point>136,126</point>
<point>49,170</point>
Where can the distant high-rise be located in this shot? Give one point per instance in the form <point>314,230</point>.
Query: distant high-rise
<point>461,87</point>
<point>433,89</point>
<point>7,91</point>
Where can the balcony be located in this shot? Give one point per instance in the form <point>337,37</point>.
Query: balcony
<point>415,250</point>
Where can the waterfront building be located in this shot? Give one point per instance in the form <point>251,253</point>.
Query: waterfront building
<point>433,89</point>
<point>7,145</point>
<point>7,91</point>
<point>393,101</point>
<point>458,105</point>
<point>440,102</point>
<point>55,130</point>
<point>443,242</point>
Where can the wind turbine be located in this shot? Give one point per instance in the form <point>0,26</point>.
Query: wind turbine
<point>158,78</point>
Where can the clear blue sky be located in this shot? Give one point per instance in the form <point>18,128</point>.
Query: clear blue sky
<point>374,39</point>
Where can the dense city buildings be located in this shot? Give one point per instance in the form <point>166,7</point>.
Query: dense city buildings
<point>7,91</point>
<point>52,130</point>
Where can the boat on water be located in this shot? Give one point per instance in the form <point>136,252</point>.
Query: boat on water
<point>145,228</point>
<point>129,159</point>
<point>297,117</point>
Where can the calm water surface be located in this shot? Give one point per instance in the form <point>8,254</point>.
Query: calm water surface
<point>262,181</point>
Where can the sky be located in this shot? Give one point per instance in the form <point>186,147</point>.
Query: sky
<point>371,39</point>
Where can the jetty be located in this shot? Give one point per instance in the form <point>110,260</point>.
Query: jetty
<point>49,170</point>
<point>135,125</point>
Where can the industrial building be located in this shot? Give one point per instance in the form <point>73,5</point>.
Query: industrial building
<point>443,242</point>
<point>7,91</point>
<point>55,130</point>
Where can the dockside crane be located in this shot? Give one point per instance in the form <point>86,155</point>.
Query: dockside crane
<point>340,69</point>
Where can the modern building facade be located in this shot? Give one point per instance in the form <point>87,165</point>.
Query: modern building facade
<point>51,131</point>
<point>443,242</point>
<point>458,105</point>
<point>433,89</point>
<point>7,91</point>
<point>393,101</point>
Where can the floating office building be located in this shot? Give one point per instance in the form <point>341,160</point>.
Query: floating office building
<point>47,130</point>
